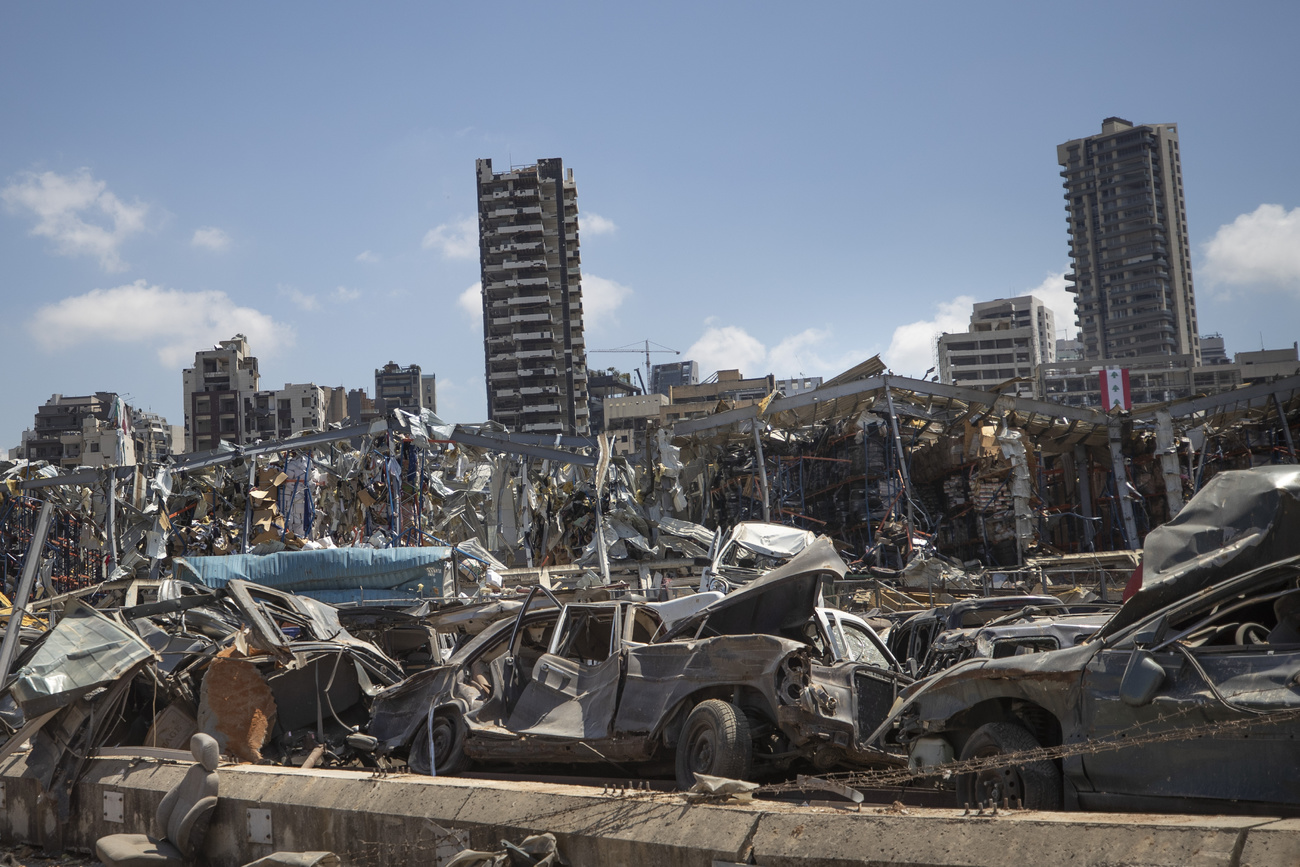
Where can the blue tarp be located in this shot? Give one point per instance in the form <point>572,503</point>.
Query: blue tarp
<point>332,575</point>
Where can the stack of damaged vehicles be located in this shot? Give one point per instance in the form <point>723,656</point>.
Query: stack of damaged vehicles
<point>1186,698</point>
<point>752,683</point>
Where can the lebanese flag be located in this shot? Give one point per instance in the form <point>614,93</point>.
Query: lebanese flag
<point>1115,389</point>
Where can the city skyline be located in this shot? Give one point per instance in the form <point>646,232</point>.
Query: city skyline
<point>303,182</point>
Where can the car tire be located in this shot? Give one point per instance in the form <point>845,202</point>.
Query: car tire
<point>1035,784</point>
<point>449,746</point>
<point>714,740</point>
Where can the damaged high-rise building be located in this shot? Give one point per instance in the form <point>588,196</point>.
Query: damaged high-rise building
<point>534,351</point>
<point>1128,239</point>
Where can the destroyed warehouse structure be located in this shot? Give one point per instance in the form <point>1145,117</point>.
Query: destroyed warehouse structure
<point>888,467</point>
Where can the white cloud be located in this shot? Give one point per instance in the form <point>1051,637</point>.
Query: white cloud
<point>471,300</point>
<point>595,224</point>
<point>458,240</point>
<point>601,299</point>
<point>912,348</point>
<point>303,300</point>
<point>725,348</point>
<point>63,206</point>
<point>1060,300</point>
<point>173,323</point>
<point>1261,248</point>
<point>210,238</point>
<point>810,352</point>
<point>366,257</point>
<point>343,293</point>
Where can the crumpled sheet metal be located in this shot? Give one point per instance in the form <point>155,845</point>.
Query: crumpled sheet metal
<point>84,651</point>
<point>1240,520</point>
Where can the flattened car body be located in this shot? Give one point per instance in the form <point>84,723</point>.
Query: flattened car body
<point>614,681</point>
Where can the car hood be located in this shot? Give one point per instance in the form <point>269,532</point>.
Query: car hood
<point>1240,520</point>
<point>771,604</point>
<point>771,540</point>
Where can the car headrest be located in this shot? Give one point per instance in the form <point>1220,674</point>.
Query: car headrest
<point>205,750</point>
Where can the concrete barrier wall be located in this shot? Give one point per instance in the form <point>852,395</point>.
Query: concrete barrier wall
<point>400,820</point>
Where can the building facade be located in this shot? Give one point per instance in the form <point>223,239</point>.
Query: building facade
<point>798,385</point>
<point>1008,339</point>
<point>81,430</point>
<point>697,401</point>
<point>429,392</point>
<point>214,391</point>
<point>664,377</point>
<point>1132,271</point>
<point>398,387</point>
<point>629,419</point>
<point>534,347</point>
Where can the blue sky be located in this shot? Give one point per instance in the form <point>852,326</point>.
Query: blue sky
<point>784,188</point>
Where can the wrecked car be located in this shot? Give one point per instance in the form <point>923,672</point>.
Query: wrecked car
<point>1023,632</point>
<point>272,676</point>
<point>1187,698</point>
<point>747,685</point>
<point>910,640</point>
<point>748,550</point>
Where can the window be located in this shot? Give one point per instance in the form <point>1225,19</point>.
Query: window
<point>306,401</point>
<point>858,646</point>
<point>586,635</point>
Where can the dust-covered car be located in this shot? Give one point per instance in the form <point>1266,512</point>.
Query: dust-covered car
<point>1186,700</point>
<point>911,639</point>
<point>1016,634</point>
<point>747,685</point>
<point>748,550</point>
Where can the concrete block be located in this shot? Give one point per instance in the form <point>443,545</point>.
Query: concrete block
<point>594,829</point>
<point>1276,843</point>
<point>934,837</point>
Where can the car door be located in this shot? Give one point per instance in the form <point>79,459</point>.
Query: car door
<point>573,689</point>
<point>1209,730</point>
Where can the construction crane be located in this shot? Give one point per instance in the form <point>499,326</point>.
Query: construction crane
<point>641,347</point>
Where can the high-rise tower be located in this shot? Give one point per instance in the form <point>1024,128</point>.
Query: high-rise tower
<point>532,298</point>
<point>1128,239</point>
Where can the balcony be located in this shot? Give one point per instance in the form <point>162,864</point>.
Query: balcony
<point>528,300</point>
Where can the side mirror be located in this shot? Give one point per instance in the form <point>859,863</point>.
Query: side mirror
<point>1142,679</point>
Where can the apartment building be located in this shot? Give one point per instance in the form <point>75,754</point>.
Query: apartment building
<point>1132,270</point>
<point>1008,338</point>
<point>214,391</point>
<point>534,346</point>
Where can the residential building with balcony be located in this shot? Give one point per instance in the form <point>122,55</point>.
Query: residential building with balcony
<point>1007,340</point>
<point>214,392</point>
<point>83,430</point>
<point>1132,270</point>
<point>534,345</point>
<point>282,413</point>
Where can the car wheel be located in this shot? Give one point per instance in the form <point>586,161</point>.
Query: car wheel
<point>1036,784</point>
<point>448,747</point>
<point>715,741</point>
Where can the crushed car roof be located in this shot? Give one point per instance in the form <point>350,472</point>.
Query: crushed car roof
<point>1240,520</point>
